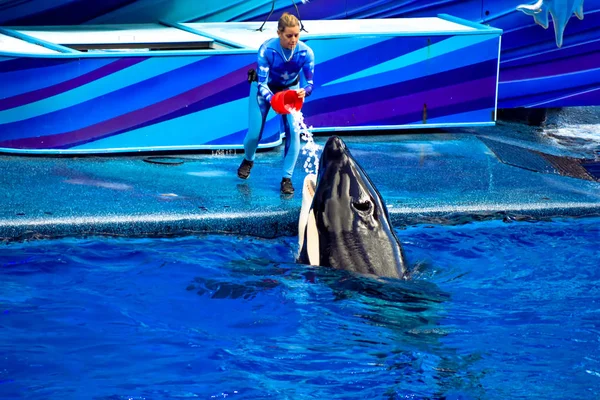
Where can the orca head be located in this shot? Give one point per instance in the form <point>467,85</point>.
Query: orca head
<point>346,224</point>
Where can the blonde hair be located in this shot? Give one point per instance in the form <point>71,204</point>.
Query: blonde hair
<point>287,20</point>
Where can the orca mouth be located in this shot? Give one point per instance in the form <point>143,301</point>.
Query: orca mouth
<point>362,206</point>
<point>335,142</point>
<point>334,148</point>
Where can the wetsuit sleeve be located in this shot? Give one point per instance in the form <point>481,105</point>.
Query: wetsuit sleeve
<point>263,73</point>
<point>309,69</point>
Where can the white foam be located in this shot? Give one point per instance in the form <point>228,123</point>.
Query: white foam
<point>310,149</point>
<point>581,137</point>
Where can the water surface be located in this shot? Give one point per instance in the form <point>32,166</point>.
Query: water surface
<point>495,311</point>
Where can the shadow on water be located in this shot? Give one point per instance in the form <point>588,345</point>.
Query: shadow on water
<point>343,284</point>
<point>391,325</point>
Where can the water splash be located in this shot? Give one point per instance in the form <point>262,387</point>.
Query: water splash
<point>310,149</point>
<point>582,138</point>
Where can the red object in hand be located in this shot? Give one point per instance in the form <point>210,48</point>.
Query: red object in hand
<point>285,100</point>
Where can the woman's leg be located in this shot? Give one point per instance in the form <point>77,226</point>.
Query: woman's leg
<point>292,146</point>
<point>292,143</point>
<point>258,108</point>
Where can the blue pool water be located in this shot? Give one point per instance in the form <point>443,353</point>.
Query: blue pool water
<point>495,311</point>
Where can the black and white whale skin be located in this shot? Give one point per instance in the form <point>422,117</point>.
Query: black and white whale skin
<point>343,221</point>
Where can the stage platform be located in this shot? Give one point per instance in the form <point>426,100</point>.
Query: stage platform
<point>437,178</point>
<point>93,89</point>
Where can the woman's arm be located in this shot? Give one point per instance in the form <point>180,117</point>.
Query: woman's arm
<point>263,73</point>
<point>309,70</point>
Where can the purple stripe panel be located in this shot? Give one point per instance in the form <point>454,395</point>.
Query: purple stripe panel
<point>556,67</point>
<point>40,94</point>
<point>230,94</point>
<point>137,117</point>
<point>25,63</point>
<point>411,103</point>
<point>591,98</point>
<point>439,112</point>
<point>74,12</point>
<point>429,82</point>
<point>570,53</point>
<point>515,98</point>
<point>579,96</point>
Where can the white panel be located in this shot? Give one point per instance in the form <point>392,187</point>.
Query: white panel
<point>112,34</point>
<point>10,44</point>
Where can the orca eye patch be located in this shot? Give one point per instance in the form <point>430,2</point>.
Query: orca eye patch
<point>362,205</point>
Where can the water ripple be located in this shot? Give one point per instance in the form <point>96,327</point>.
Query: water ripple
<point>493,311</point>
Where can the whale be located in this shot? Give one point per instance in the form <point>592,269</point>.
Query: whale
<point>344,222</point>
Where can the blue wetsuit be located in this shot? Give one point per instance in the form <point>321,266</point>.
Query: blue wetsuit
<point>278,69</point>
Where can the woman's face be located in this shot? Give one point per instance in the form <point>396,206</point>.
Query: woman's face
<point>289,37</point>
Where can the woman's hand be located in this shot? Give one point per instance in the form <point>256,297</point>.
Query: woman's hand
<point>301,93</point>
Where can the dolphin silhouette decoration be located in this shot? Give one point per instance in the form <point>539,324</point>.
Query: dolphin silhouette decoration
<point>344,222</point>
<point>561,11</point>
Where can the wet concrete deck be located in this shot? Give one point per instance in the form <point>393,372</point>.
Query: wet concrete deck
<point>445,177</point>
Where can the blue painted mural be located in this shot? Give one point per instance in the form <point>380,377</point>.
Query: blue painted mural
<point>125,103</point>
<point>541,66</point>
<point>90,102</point>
